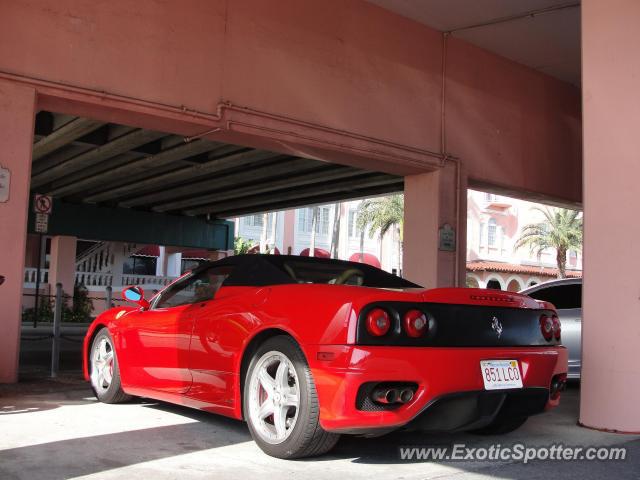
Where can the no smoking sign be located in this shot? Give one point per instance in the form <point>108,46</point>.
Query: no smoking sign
<point>43,204</point>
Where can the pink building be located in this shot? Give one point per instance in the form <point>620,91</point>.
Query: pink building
<point>290,232</point>
<point>494,224</point>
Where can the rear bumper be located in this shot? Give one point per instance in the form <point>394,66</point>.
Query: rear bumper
<point>440,373</point>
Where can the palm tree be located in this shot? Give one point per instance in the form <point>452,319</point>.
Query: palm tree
<point>381,215</point>
<point>241,246</point>
<point>561,229</point>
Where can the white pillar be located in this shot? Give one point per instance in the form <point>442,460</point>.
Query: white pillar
<point>174,264</point>
<point>119,257</point>
<point>160,263</point>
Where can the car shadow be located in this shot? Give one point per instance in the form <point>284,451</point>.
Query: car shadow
<point>20,399</point>
<point>75,457</point>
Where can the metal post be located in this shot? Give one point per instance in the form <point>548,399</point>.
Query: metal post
<point>57,320</point>
<point>37,310</point>
<point>108,296</point>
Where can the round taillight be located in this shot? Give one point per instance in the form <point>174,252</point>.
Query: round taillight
<point>378,322</point>
<point>546,327</point>
<point>557,328</point>
<point>415,323</point>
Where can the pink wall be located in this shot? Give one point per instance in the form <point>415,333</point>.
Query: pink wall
<point>341,81</point>
<point>432,200</point>
<point>611,299</point>
<point>16,126</point>
<point>513,127</point>
<point>62,268</point>
<point>420,229</point>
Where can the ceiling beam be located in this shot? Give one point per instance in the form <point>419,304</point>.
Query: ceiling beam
<point>66,134</point>
<point>227,177</point>
<point>147,165</point>
<point>308,175</point>
<point>221,181</point>
<point>59,156</point>
<point>106,166</point>
<point>77,147</point>
<point>92,157</point>
<point>182,174</point>
<point>322,199</point>
<point>120,173</point>
<point>346,185</point>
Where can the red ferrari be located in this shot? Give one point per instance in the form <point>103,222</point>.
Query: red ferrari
<point>305,349</point>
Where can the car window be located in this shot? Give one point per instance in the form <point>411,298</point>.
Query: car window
<point>562,296</point>
<point>199,287</point>
<point>333,272</point>
<point>309,272</point>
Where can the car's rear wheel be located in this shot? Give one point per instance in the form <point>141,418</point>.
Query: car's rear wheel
<point>104,370</point>
<point>501,425</point>
<point>281,404</point>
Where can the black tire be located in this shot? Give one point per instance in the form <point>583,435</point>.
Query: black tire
<point>501,425</point>
<point>307,438</point>
<point>113,393</point>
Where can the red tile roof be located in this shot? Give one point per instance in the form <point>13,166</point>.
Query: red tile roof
<point>149,251</point>
<point>488,266</point>
<point>196,254</point>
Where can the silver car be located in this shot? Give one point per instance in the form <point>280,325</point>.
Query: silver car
<point>566,295</point>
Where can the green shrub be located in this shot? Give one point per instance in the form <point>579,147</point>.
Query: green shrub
<point>78,309</point>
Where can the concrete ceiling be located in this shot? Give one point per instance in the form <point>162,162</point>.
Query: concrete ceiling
<point>80,160</point>
<point>542,34</point>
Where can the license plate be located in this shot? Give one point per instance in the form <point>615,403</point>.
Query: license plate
<point>500,374</point>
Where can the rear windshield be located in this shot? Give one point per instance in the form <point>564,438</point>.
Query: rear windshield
<point>262,270</point>
<point>334,272</point>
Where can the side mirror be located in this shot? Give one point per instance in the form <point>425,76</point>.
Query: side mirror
<point>135,294</point>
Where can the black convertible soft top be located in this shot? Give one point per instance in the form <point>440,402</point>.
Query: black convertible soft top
<point>262,270</point>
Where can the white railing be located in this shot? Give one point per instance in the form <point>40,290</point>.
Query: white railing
<point>99,258</point>
<point>96,259</point>
<point>149,280</point>
<point>94,279</point>
<point>98,279</point>
<point>31,275</point>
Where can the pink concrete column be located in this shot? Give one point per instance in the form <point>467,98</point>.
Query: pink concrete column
<point>433,201</point>
<point>610,391</point>
<point>62,263</point>
<point>289,231</point>
<point>17,111</point>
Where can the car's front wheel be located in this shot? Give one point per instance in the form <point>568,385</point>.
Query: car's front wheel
<point>104,371</point>
<point>281,404</point>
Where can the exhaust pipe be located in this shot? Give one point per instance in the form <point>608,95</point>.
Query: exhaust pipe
<point>406,395</point>
<point>386,395</point>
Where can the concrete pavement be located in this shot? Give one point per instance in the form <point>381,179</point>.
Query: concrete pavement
<point>56,430</point>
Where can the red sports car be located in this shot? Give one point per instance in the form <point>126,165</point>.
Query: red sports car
<point>306,349</point>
